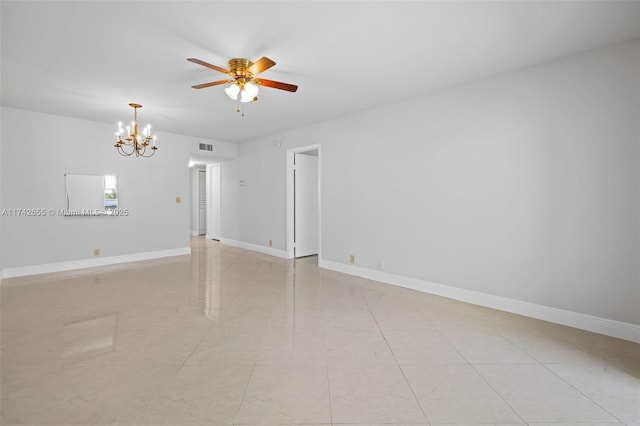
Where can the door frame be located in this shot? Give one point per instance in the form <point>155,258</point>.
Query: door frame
<point>197,204</point>
<point>291,198</point>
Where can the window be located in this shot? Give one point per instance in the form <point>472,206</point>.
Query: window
<point>110,193</point>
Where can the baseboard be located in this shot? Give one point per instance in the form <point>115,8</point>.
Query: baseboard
<point>254,247</point>
<point>90,263</point>
<point>618,329</point>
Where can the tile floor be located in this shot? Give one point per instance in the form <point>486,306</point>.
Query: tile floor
<point>229,336</point>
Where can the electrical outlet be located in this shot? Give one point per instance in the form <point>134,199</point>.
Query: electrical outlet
<point>352,258</point>
<point>96,252</point>
<point>380,265</point>
<point>178,200</point>
<point>270,243</point>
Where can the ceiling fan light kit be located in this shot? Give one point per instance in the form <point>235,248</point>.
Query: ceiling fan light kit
<point>248,92</point>
<point>242,80</point>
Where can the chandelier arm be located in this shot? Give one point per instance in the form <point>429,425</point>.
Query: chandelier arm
<point>121,151</point>
<point>153,151</point>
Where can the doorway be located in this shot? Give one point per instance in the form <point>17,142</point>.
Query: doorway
<point>303,201</point>
<point>205,202</point>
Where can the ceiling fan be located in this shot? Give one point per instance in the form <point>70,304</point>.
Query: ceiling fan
<point>242,77</point>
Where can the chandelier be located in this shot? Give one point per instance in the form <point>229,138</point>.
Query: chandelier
<point>133,142</point>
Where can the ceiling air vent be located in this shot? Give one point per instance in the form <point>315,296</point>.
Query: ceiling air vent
<point>206,147</point>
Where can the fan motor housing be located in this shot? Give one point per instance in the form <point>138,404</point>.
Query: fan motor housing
<point>238,66</point>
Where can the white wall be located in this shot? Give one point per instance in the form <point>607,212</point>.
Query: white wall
<point>221,151</point>
<point>1,204</point>
<point>38,149</point>
<point>525,186</point>
<point>256,212</point>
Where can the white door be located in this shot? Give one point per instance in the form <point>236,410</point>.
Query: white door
<point>202,202</point>
<point>306,229</point>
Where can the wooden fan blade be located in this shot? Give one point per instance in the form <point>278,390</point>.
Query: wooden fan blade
<point>213,83</point>
<point>208,65</point>
<point>261,65</point>
<point>276,85</point>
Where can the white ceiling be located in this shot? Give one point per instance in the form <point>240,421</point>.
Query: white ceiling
<point>90,59</point>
